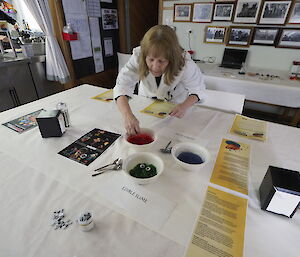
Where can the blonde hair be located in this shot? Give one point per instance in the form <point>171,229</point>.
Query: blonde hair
<point>161,40</point>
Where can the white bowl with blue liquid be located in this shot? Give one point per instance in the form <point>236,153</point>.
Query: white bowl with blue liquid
<point>190,156</point>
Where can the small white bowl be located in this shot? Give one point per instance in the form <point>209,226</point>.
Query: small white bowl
<point>149,158</point>
<point>142,147</point>
<point>193,148</point>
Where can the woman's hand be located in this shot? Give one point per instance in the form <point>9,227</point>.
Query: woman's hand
<point>131,124</point>
<point>130,121</point>
<point>179,110</point>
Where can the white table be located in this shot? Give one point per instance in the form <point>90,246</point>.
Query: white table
<point>277,91</point>
<point>35,181</point>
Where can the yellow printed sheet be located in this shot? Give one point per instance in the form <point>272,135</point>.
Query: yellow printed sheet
<point>250,128</point>
<point>107,96</point>
<point>232,166</point>
<point>220,227</point>
<point>159,108</point>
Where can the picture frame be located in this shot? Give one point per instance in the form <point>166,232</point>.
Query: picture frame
<point>109,19</point>
<point>215,34</point>
<point>182,12</point>
<point>239,36</point>
<point>289,38</point>
<point>223,11</point>
<point>295,13</point>
<point>247,11</point>
<point>267,36</point>
<point>202,12</point>
<point>274,12</point>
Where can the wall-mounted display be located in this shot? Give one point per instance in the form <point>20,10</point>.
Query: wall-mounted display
<point>202,12</point>
<point>247,11</point>
<point>223,11</point>
<point>182,12</point>
<point>264,36</point>
<point>109,19</point>
<point>239,36</point>
<point>289,38</point>
<point>274,12</point>
<point>215,34</point>
<point>295,13</point>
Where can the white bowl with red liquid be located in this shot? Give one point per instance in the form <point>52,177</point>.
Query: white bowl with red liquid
<point>141,141</point>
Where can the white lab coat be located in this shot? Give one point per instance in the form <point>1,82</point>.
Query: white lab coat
<point>189,81</point>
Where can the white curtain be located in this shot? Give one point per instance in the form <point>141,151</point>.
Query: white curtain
<point>56,68</point>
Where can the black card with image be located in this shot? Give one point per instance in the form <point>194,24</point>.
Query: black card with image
<point>90,146</point>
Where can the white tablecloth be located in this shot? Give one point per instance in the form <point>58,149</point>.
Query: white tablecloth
<point>35,181</point>
<point>278,91</point>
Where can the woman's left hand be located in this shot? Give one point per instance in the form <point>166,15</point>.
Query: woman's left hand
<point>179,110</point>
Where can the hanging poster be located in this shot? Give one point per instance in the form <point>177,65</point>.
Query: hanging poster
<point>110,19</point>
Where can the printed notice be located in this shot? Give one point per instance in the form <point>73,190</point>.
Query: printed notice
<point>220,227</point>
<point>106,96</point>
<point>159,108</point>
<point>144,206</point>
<point>250,128</point>
<point>232,165</point>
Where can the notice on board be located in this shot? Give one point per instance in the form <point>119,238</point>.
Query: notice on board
<point>232,166</point>
<point>220,227</point>
<point>249,128</point>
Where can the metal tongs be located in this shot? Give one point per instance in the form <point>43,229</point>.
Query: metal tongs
<point>115,165</point>
<point>167,149</point>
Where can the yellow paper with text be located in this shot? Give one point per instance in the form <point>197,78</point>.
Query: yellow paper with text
<point>107,96</point>
<point>159,108</point>
<point>220,227</point>
<point>232,166</point>
<point>249,128</point>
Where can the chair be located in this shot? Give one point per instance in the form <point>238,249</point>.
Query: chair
<point>122,59</point>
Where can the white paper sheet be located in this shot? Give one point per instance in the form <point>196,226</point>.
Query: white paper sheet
<point>108,46</point>
<point>141,204</point>
<point>76,15</point>
<point>93,8</point>
<point>96,44</point>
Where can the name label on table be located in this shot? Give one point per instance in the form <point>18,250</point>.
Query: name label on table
<point>141,204</point>
<point>135,194</point>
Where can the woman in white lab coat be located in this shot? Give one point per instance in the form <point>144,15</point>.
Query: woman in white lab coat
<point>165,72</point>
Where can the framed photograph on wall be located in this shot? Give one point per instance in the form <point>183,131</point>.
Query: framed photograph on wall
<point>239,36</point>
<point>215,34</point>
<point>223,11</point>
<point>182,12</point>
<point>202,12</point>
<point>289,38</point>
<point>265,36</point>
<point>247,11</point>
<point>295,13</point>
<point>274,12</point>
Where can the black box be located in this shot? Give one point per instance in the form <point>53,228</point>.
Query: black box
<point>51,123</point>
<point>280,191</point>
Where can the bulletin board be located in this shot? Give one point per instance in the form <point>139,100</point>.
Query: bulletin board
<point>96,24</point>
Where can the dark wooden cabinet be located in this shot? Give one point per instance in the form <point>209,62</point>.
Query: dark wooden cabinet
<point>16,86</point>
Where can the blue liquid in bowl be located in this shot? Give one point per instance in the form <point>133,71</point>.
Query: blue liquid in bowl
<point>190,158</point>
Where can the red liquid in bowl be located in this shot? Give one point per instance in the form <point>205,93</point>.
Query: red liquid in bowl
<point>140,139</point>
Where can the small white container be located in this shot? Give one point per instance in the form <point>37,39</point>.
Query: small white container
<point>85,221</point>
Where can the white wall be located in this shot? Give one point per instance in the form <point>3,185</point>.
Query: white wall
<point>266,57</point>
